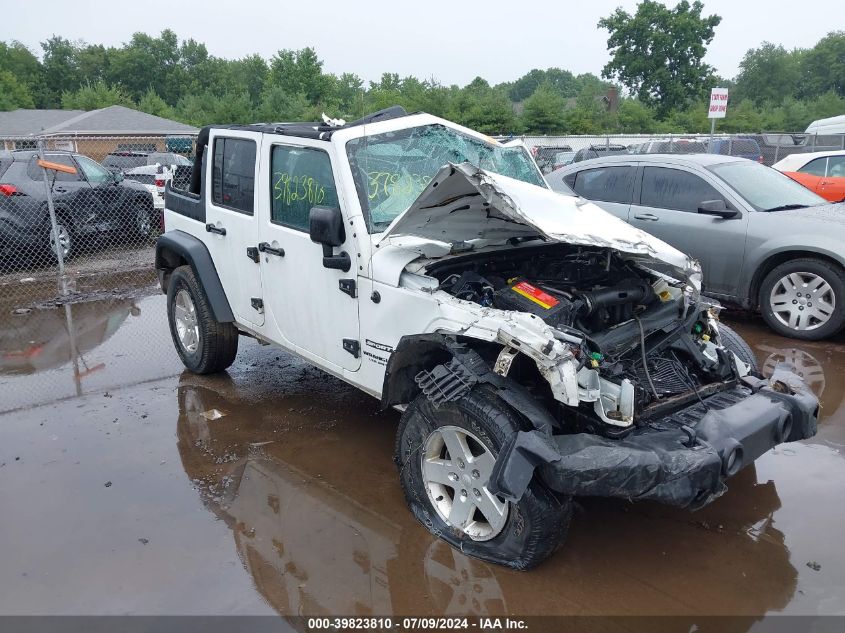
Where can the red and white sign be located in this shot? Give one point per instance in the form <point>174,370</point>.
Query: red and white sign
<point>718,103</point>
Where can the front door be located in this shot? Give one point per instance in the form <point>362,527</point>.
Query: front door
<point>231,225</point>
<point>832,186</point>
<point>668,209</point>
<point>305,304</point>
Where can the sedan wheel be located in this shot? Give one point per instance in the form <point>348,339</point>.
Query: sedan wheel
<point>804,298</point>
<point>802,301</point>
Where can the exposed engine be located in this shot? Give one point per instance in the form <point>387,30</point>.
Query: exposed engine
<point>627,324</point>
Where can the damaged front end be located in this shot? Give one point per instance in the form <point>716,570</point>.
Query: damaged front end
<point>603,344</point>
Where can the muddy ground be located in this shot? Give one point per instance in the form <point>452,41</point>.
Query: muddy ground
<point>130,486</point>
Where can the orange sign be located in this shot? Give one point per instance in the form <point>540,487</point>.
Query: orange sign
<point>57,167</point>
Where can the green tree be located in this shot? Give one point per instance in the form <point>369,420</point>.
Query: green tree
<point>300,72</point>
<point>480,107</point>
<point>634,117</point>
<point>657,53</point>
<point>151,103</point>
<point>60,70</point>
<point>95,96</point>
<point>25,67</point>
<point>823,66</point>
<point>543,111</point>
<point>769,73</point>
<point>14,94</point>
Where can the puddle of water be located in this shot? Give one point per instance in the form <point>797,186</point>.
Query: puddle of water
<point>48,353</point>
<point>273,488</point>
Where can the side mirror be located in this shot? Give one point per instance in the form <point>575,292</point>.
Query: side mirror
<point>326,227</point>
<point>717,208</point>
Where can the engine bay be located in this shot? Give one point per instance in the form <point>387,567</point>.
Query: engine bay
<point>636,334</point>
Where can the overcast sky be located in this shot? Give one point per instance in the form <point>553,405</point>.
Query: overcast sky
<point>452,41</point>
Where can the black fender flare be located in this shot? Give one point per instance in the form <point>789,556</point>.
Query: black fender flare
<point>176,248</point>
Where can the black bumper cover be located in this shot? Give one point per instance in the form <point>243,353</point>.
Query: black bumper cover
<point>681,459</point>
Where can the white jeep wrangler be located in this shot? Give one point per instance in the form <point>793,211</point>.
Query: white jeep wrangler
<point>539,348</point>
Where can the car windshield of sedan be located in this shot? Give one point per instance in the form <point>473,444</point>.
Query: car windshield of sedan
<point>764,188</point>
<point>392,169</point>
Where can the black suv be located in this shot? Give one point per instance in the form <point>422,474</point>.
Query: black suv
<point>88,203</point>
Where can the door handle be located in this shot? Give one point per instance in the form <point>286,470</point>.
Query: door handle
<point>264,247</point>
<point>646,216</point>
<point>60,190</point>
<point>211,228</point>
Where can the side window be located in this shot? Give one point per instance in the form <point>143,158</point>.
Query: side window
<point>233,174</point>
<point>815,167</point>
<point>301,178</point>
<point>34,171</point>
<point>836,166</point>
<point>674,189</point>
<point>606,184</point>
<point>93,171</point>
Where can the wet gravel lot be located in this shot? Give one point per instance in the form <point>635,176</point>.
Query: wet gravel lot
<point>131,487</point>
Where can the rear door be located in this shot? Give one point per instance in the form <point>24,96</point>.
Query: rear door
<point>667,208</point>
<point>832,186</point>
<point>231,225</point>
<point>611,187</point>
<point>310,306</point>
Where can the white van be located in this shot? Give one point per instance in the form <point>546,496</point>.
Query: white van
<point>832,125</point>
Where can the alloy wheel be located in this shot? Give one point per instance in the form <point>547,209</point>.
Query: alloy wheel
<point>456,467</point>
<point>64,240</point>
<point>185,316</point>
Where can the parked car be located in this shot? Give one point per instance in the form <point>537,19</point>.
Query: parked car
<point>822,172</point>
<point>546,156</point>
<point>152,169</point>
<point>764,241</point>
<point>775,146</point>
<point>674,146</point>
<point>741,147</point>
<point>88,203</point>
<point>599,149</point>
<point>534,349</point>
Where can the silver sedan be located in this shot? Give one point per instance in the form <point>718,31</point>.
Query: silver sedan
<point>764,241</point>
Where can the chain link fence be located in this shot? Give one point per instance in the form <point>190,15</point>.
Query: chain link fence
<point>553,152</point>
<point>83,207</point>
<point>78,220</point>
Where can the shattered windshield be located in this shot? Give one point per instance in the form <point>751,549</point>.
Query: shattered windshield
<point>393,168</point>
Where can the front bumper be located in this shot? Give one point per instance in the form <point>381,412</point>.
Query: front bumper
<point>681,459</point>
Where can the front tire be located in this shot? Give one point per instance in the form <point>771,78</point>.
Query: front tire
<point>804,299</point>
<point>733,342</point>
<point>445,456</point>
<point>205,345</point>
<point>66,241</point>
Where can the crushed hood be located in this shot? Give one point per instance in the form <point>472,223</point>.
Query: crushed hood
<point>463,203</point>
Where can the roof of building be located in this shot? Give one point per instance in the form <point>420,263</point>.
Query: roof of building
<point>113,120</point>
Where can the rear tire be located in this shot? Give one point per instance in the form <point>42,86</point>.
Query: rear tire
<point>205,345</point>
<point>531,529</point>
<point>733,342</point>
<point>804,299</point>
<point>143,220</point>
